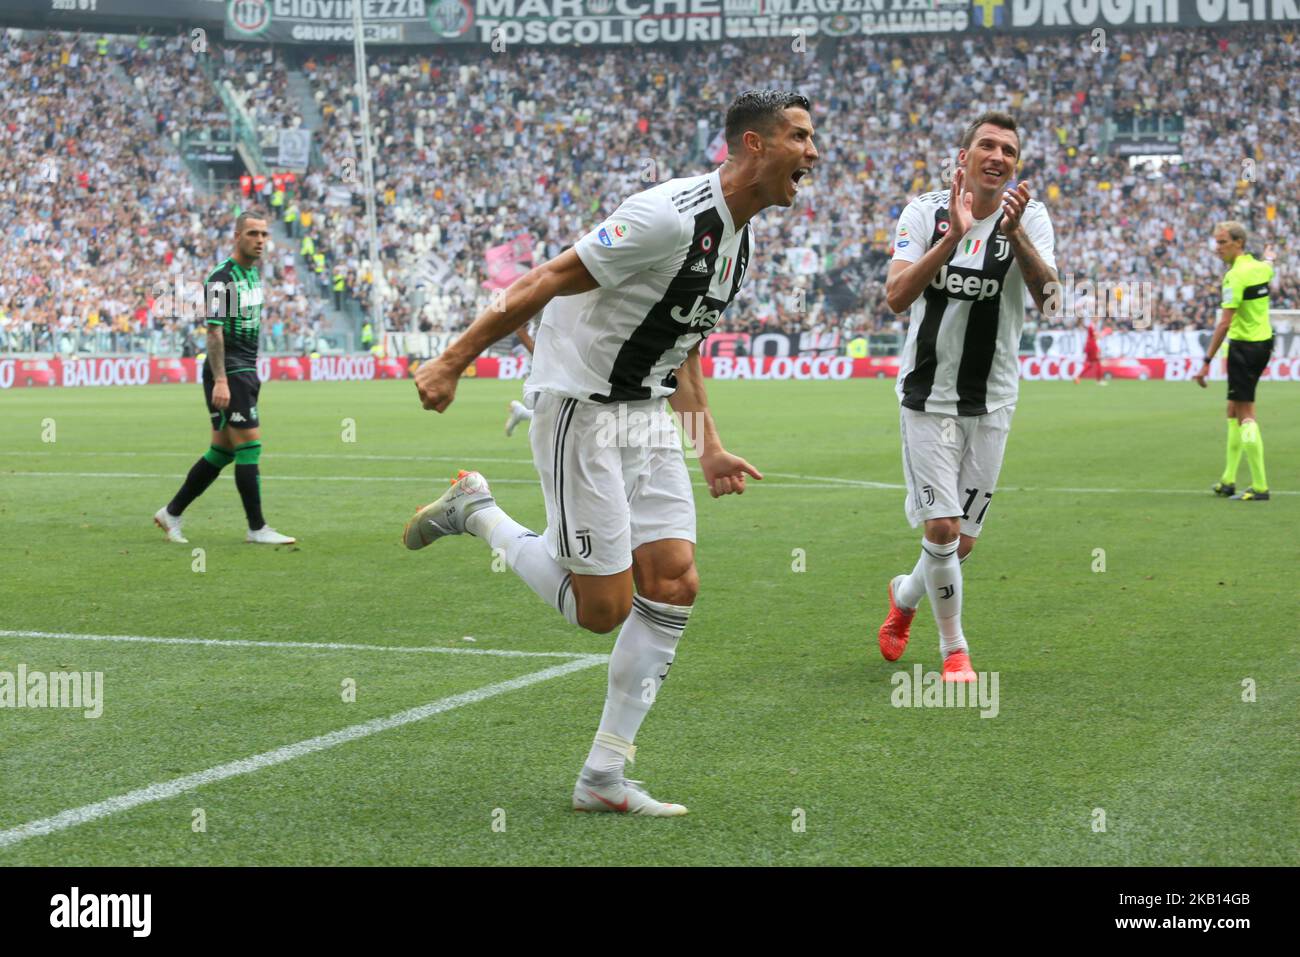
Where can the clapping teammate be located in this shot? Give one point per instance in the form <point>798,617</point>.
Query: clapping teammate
<point>963,260</point>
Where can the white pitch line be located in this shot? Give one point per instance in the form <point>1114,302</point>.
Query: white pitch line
<point>169,789</point>
<point>818,482</point>
<point>280,478</point>
<point>137,453</point>
<point>422,480</point>
<point>294,645</point>
<point>857,483</point>
<point>1128,491</point>
<point>470,458</point>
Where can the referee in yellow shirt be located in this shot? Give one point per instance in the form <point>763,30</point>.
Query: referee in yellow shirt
<point>1250,344</point>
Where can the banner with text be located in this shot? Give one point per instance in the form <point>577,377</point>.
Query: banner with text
<point>1088,14</point>
<point>500,23</point>
<point>141,370</point>
<point>843,18</point>
<point>95,371</point>
<point>1190,343</point>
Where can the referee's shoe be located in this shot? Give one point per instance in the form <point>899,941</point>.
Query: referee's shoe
<point>1250,495</point>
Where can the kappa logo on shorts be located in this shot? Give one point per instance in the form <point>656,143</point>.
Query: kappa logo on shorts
<point>927,492</point>
<point>237,417</point>
<point>583,535</point>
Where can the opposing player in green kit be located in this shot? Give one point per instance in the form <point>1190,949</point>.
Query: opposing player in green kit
<point>233,306</point>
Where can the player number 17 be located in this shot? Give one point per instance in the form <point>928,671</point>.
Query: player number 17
<point>970,500</point>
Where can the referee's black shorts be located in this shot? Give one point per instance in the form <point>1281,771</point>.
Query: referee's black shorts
<point>242,411</point>
<point>1246,363</point>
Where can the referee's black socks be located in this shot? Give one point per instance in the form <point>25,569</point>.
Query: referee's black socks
<point>202,474</point>
<point>249,482</point>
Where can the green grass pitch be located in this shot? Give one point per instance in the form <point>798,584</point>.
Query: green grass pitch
<point>1121,690</point>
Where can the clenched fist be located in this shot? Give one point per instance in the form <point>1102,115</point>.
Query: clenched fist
<point>436,383</point>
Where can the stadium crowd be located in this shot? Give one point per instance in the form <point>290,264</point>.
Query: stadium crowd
<point>474,148</point>
<point>102,219</point>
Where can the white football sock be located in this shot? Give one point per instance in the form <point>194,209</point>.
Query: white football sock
<point>911,589</point>
<point>646,646</point>
<point>943,586</point>
<point>527,557</point>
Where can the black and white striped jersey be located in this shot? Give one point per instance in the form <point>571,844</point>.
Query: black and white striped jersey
<point>963,340</point>
<point>669,261</point>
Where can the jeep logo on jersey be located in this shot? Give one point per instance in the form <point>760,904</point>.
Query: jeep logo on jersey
<point>700,314</point>
<point>959,283</point>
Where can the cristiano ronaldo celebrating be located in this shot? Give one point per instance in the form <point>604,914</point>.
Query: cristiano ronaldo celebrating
<point>623,313</point>
<point>962,262</point>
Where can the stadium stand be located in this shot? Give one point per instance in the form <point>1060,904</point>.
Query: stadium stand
<point>475,148</point>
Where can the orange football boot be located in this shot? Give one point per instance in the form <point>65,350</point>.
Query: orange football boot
<point>895,631</point>
<point>956,667</point>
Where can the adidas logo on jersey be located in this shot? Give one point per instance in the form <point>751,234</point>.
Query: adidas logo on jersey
<point>961,283</point>
<point>700,266</point>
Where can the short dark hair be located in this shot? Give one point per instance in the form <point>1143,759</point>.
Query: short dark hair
<point>253,212</point>
<point>758,110</point>
<point>993,118</point>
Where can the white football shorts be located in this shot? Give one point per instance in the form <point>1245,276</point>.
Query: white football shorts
<point>614,478</point>
<point>951,464</point>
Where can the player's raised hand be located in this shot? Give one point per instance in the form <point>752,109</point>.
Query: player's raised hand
<point>960,199</point>
<point>726,473</point>
<point>436,384</point>
<point>1014,202</point>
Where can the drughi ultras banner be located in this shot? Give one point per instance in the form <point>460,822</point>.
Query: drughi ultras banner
<point>1063,14</point>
